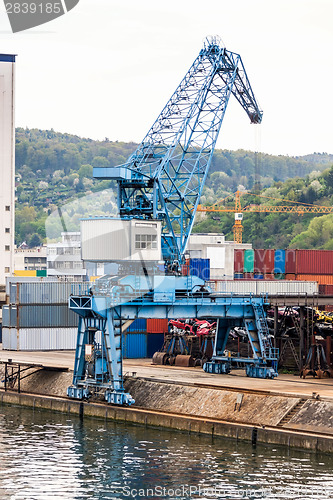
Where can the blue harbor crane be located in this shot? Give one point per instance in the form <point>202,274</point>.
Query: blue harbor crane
<point>161,183</point>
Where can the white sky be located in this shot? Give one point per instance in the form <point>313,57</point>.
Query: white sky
<point>107,68</point>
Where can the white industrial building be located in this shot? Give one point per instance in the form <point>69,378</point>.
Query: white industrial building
<point>30,259</point>
<point>213,246</point>
<point>7,165</point>
<point>64,258</point>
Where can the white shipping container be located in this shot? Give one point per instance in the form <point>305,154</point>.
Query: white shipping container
<point>258,287</point>
<point>39,339</point>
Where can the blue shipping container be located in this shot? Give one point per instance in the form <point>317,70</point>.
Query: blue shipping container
<point>138,325</point>
<point>155,342</point>
<point>200,268</point>
<point>135,345</point>
<point>238,276</point>
<point>6,316</point>
<point>258,276</point>
<point>279,262</point>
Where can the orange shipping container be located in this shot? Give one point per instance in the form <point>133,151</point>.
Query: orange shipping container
<point>290,277</point>
<point>322,279</point>
<point>157,325</point>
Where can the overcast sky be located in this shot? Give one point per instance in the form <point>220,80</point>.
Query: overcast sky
<point>107,68</point>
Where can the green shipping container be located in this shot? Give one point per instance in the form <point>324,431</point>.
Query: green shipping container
<point>41,273</point>
<point>279,276</point>
<point>248,261</point>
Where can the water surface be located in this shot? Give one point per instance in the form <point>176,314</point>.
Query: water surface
<point>46,455</point>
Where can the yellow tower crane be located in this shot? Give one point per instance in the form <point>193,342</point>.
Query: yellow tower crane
<point>297,208</point>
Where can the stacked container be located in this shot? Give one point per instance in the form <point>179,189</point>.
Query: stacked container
<point>144,337</point>
<point>38,317</point>
<point>310,265</point>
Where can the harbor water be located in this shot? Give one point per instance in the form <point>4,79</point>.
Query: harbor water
<point>48,455</point>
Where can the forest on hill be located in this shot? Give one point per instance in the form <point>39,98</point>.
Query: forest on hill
<point>54,183</point>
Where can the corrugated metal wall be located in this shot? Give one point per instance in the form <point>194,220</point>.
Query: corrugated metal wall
<point>279,261</point>
<point>275,287</point>
<point>248,261</point>
<point>157,325</point>
<point>135,345</point>
<point>54,292</point>
<point>138,325</point>
<point>39,339</point>
<point>238,260</point>
<point>200,268</point>
<point>31,316</point>
<point>154,343</point>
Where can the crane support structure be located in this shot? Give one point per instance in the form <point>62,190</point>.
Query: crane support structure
<point>164,177</point>
<point>163,180</point>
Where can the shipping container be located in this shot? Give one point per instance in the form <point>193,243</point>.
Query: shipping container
<point>157,325</point>
<point>248,276</point>
<point>185,269</point>
<point>279,276</point>
<point>41,273</point>
<point>155,342</point>
<point>138,325</point>
<point>290,277</point>
<point>5,315</point>
<point>269,261</point>
<point>314,261</point>
<point>287,287</point>
<point>290,262</point>
<point>258,276</point>
<point>263,261</point>
<point>238,260</point>
<point>21,279</point>
<point>39,339</point>
<point>279,261</point>
<point>321,279</point>
<point>238,276</point>
<point>45,292</point>
<point>239,287</point>
<point>248,261</point>
<point>33,316</point>
<point>326,289</point>
<point>200,268</point>
<point>258,287</point>
<point>135,345</point>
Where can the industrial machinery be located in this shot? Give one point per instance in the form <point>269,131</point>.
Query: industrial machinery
<point>159,188</point>
<point>188,343</point>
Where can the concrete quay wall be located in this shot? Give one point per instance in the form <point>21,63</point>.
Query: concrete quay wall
<point>193,409</point>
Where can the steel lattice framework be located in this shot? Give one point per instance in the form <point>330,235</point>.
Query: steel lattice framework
<point>164,177</point>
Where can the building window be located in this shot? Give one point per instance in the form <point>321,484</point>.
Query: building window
<point>7,270</point>
<point>7,248</point>
<point>7,208</point>
<point>145,241</point>
<point>52,251</point>
<point>7,229</point>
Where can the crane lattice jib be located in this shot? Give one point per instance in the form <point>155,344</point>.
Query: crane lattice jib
<point>293,209</point>
<point>164,177</point>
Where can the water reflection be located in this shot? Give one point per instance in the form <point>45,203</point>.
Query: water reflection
<point>45,455</point>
